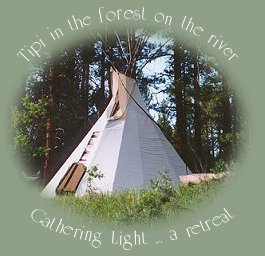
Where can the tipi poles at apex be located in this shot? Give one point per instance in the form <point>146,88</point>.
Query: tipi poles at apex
<point>129,44</point>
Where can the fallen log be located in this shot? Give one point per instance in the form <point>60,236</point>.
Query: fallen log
<point>197,178</point>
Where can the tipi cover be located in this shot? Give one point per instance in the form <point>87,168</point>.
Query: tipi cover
<point>125,144</point>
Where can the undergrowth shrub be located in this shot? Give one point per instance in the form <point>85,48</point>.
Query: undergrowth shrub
<point>146,206</point>
<point>164,185</point>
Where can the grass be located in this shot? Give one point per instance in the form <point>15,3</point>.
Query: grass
<point>145,206</point>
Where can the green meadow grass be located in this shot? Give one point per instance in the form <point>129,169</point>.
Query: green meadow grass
<point>146,206</point>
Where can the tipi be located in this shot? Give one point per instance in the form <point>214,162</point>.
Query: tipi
<point>125,144</point>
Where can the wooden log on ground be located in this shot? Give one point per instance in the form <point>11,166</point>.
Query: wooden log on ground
<point>197,178</point>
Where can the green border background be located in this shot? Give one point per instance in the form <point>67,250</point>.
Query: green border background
<point>240,24</point>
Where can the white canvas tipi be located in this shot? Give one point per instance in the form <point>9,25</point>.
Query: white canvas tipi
<point>125,144</point>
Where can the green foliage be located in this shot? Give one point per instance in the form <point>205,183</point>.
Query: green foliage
<point>27,121</point>
<point>222,166</point>
<point>146,206</point>
<point>190,197</point>
<point>228,137</point>
<point>163,183</point>
<point>93,173</point>
<point>151,203</point>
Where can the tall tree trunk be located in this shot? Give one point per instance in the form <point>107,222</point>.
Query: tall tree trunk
<point>101,92</point>
<point>110,54</point>
<point>87,58</point>
<point>85,88</point>
<point>134,61</point>
<point>48,127</point>
<point>47,154</point>
<point>197,114</point>
<point>85,83</point>
<point>227,122</point>
<point>181,120</point>
<point>236,122</point>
